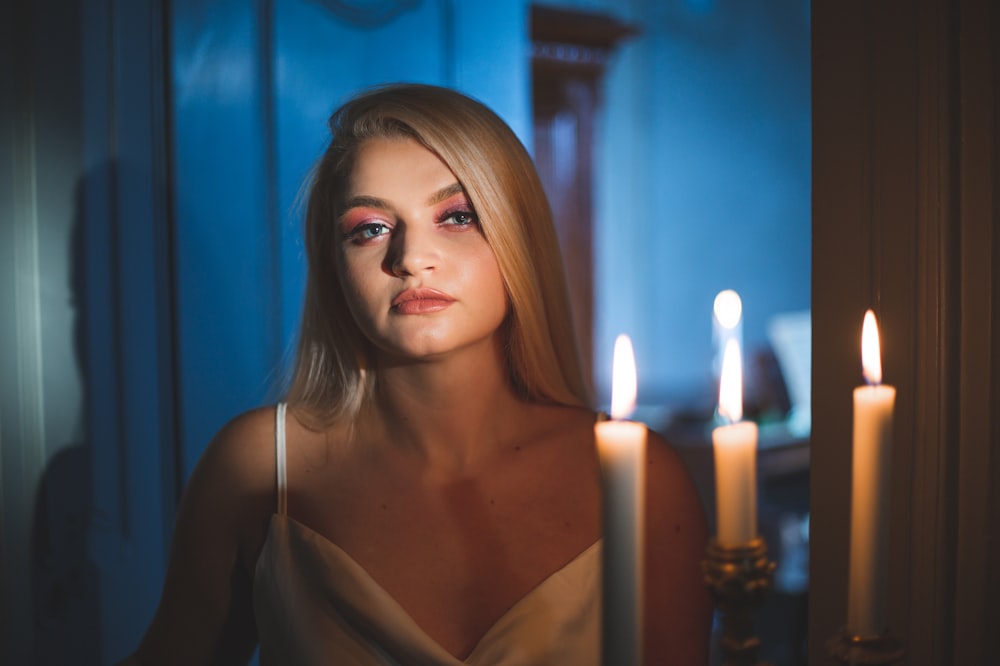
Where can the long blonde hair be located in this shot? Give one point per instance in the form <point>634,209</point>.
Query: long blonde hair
<point>332,378</point>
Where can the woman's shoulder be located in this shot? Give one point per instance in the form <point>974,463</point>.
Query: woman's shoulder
<point>239,461</point>
<point>562,417</point>
<point>676,517</point>
<point>246,440</point>
<point>670,475</point>
<point>676,535</point>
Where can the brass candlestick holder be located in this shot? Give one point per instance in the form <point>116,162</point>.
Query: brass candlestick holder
<point>865,650</point>
<point>739,577</point>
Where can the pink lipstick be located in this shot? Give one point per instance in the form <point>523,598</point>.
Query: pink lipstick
<point>421,301</point>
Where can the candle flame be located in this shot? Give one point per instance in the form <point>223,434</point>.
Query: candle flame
<point>871,354</point>
<point>728,308</point>
<point>623,380</point>
<point>731,384</point>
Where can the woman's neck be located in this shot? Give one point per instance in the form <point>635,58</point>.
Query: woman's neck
<point>450,414</point>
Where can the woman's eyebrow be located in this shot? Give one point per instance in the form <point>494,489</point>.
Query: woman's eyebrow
<point>364,201</point>
<point>445,193</point>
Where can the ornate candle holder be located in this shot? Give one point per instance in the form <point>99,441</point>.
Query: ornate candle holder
<point>865,650</point>
<point>739,577</point>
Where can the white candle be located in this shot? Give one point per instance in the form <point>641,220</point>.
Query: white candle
<point>735,449</point>
<point>621,448</point>
<point>873,408</point>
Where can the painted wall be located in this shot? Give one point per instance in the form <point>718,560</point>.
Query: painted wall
<point>86,417</point>
<point>703,185</point>
<point>40,381</point>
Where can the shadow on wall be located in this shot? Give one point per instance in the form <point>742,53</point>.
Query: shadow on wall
<point>65,580</point>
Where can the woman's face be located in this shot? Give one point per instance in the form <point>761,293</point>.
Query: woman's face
<point>417,272</point>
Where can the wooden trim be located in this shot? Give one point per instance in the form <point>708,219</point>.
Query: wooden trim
<point>582,29</point>
<point>978,372</point>
<point>569,52</point>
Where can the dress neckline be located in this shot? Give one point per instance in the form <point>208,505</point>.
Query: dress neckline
<point>387,603</point>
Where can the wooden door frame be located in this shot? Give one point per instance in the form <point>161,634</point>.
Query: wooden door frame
<point>570,52</point>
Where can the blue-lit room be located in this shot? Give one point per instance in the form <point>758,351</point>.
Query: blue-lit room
<point>716,171</point>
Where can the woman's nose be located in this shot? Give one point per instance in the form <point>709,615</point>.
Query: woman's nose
<point>411,251</point>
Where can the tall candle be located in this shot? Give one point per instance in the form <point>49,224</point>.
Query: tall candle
<point>735,449</point>
<point>621,448</point>
<point>873,408</point>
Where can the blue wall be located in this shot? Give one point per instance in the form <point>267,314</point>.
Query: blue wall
<point>703,185</point>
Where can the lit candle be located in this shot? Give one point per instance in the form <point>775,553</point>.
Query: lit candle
<point>621,448</point>
<point>735,447</point>
<point>727,324</point>
<point>873,406</point>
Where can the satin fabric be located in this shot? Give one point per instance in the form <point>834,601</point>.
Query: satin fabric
<point>316,605</point>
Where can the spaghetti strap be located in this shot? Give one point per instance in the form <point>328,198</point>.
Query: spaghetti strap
<point>279,458</point>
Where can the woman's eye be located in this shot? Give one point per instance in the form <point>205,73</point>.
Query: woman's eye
<point>460,219</point>
<point>368,231</point>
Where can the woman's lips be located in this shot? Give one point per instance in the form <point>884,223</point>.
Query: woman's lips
<point>421,301</point>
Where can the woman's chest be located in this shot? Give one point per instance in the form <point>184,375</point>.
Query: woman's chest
<point>457,555</point>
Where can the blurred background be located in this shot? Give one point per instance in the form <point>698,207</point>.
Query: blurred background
<point>151,266</point>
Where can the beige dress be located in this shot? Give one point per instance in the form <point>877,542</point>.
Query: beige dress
<point>316,605</point>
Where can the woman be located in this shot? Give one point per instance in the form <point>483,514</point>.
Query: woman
<point>431,495</point>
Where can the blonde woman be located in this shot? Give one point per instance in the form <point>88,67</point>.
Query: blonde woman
<point>428,493</point>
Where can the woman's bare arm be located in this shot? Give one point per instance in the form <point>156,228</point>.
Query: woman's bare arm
<point>678,606</point>
<point>205,615</point>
